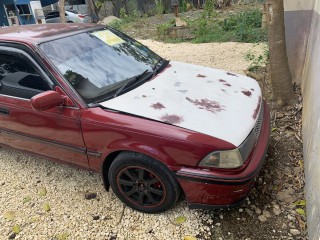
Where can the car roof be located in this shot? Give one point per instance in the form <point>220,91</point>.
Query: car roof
<point>37,33</point>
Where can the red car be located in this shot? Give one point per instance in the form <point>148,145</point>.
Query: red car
<point>91,96</point>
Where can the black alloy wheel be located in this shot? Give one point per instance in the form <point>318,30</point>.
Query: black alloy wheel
<point>141,186</point>
<point>143,183</point>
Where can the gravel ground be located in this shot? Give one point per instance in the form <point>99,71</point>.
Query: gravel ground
<point>229,56</point>
<point>54,201</point>
<point>79,206</point>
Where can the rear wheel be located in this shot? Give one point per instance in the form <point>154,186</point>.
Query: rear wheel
<point>143,183</point>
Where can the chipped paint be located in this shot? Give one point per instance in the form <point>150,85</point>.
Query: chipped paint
<point>256,111</point>
<point>201,76</point>
<point>157,106</point>
<point>232,74</point>
<point>225,82</point>
<point>172,119</point>
<point>208,105</point>
<point>210,110</point>
<point>252,89</point>
<point>247,93</point>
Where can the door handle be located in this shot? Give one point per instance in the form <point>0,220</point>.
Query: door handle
<point>4,111</point>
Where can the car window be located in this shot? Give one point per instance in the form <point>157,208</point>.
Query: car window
<point>100,62</point>
<point>52,15</point>
<point>18,78</point>
<point>49,15</point>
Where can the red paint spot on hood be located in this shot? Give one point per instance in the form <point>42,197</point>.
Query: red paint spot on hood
<point>208,105</point>
<point>247,93</point>
<point>172,119</point>
<point>201,76</point>
<point>157,106</point>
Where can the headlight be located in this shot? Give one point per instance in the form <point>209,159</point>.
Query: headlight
<point>223,159</point>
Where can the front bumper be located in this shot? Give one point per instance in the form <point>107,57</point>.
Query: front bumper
<point>209,189</point>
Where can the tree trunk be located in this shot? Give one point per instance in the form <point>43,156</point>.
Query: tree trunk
<point>61,11</point>
<point>280,75</point>
<point>93,11</point>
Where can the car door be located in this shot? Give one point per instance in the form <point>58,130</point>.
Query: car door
<point>54,133</point>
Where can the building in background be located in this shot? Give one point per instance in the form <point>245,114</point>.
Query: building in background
<point>20,12</point>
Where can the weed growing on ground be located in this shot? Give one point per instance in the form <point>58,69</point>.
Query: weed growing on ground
<point>183,6</point>
<point>257,61</point>
<point>163,28</point>
<point>159,7</point>
<point>116,24</point>
<point>239,27</point>
<point>209,7</point>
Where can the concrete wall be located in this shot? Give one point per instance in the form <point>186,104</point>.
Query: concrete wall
<point>298,15</point>
<point>311,125</point>
<point>308,55</point>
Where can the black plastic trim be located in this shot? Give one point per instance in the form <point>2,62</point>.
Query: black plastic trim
<point>212,207</point>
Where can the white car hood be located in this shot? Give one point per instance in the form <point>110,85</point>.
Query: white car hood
<point>202,99</point>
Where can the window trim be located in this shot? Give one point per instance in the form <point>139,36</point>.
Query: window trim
<point>29,60</point>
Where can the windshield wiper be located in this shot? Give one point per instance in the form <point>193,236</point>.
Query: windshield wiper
<point>129,81</point>
<point>155,69</point>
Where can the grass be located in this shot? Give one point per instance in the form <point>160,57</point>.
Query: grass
<point>244,26</point>
<point>236,27</point>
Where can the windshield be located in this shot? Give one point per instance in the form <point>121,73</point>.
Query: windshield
<point>97,63</point>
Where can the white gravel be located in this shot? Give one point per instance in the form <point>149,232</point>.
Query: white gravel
<point>72,215</point>
<point>228,56</point>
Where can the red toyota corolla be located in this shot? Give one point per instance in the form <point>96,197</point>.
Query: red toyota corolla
<point>91,96</point>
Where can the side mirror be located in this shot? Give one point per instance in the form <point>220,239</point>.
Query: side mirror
<point>46,100</point>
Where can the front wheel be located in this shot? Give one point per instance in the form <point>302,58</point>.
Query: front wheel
<point>143,183</point>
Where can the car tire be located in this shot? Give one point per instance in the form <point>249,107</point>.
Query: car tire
<point>143,183</point>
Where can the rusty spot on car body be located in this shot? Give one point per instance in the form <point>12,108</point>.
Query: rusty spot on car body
<point>171,118</point>
<point>247,93</point>
<point>232,74</point>
<point>206,104</point>
<point>256,111</point>
<point>225,82</point>
<point>201,76</point>
<point>157,106</point>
